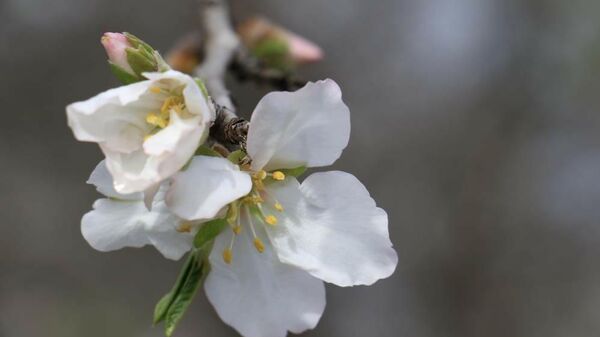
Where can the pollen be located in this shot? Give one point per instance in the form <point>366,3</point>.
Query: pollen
<point>227,256</point>
<point>279,206</point>
<point>261,175</point>
<point>156,120</point>
<point>271,220</point>
<point>253,199</point>
<point>278,175</point>
<point>185,227</point>
<point>155,90</point>
<point>172,103</point>
<point>259,245</point>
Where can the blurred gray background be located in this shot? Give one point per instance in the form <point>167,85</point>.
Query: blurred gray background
<point>475,125</point>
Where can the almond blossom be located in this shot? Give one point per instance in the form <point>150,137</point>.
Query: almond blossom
<point>286,237</point>
<point>147,130</point>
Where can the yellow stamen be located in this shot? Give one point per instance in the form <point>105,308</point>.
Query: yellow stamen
<point>253,199</point>
<point>172,102</point>
<point>237,229</point>
<point>260,247</point>
<point>279,206</point>
<point>261,175</point>
<point>278,175</point>
<point>271,220</point>
<point>155,90</point>
<point>156,120</point>
<point>185,227</point>
<point>227,255</point>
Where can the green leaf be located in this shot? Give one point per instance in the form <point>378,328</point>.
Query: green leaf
<point>160,311</point>
<point>139,62</point>
<point>236,156</point>
<point>197,273</point>
<point>207,151</point>
<point>123,75</point>
<point>294,172</point>
<point>208,231</point>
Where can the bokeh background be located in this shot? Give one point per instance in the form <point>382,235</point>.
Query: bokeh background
<point>475,125</point>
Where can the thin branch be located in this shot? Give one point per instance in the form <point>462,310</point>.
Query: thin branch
<point>221,44</point>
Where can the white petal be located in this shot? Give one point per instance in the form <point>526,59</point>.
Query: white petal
<point>115,224</point>
<point>309,127</point>
<point>332,228</point>
<point>206,186</point>
<point>162,229</point>
<point>258,295</point>
<point>103,181</point>
<point>112,225</point>
<point>115,117</point>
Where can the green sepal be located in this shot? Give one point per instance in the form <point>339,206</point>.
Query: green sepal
<point>208,231</point>
<point>202,87</point>
<point>136,42</point>
<point>123,75</point>
<point>274,53</point>
<point>139,62</point>
<point>294,172</point>
<point>236,156</point>
<point>204,150</point>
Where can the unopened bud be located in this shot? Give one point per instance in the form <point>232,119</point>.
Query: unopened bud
<point>129,57</point>
<point>115,45</point>
<point>277,46</point>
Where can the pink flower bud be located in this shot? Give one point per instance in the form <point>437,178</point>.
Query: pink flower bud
<point>303,50</point>
<point>256,30</point>
<point>115,45</point>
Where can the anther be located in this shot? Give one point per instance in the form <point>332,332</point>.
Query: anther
<point>279,206</point>
<point>237,229</point>
<point>261,175</point>
<point>227,256</point>
<point>185,227</point>
<point>278,175</point>
<point>271,220</point>
<point>155,90</point>
<point>260,247</point>
<point>156,120</point>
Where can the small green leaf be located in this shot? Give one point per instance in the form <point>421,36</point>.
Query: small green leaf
<point>165,302</point>
<point>236,156</point>
<point>294,172</point>
<point>208,231</point>
<point>198,271</point>
<point>123,75</point>
<point>207,151</point>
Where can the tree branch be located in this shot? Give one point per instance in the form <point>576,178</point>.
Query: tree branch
<point>220,45</point>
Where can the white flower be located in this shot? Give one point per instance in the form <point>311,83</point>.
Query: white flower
<point>147,130</point>
<point>122,220</point>
<point>267,271</point>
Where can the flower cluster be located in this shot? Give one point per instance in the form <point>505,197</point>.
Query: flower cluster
<point>268,241</point>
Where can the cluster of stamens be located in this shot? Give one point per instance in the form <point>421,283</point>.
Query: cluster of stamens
<point>160,119</point>
<point>252,208</point>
